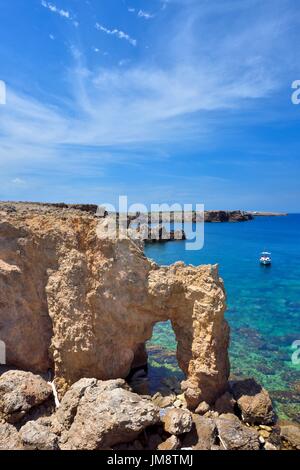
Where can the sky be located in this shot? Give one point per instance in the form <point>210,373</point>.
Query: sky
<point>165,101</point>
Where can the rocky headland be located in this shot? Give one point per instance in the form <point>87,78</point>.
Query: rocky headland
<point>76,309</point>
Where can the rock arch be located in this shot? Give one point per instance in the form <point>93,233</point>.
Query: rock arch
<point>89,303</point>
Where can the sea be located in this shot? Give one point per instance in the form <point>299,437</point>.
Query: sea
<point>263,304</point>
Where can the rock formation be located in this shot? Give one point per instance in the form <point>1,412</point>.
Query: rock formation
<point>79,303</point>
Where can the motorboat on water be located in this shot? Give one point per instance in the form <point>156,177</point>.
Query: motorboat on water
<point>265,258</point>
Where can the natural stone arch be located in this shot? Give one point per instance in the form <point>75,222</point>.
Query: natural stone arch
<point>94,300</point>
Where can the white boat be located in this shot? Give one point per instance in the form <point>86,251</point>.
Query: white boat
<point>265,258</point>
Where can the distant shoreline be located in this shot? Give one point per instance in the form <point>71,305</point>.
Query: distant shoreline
<point>268,214</point>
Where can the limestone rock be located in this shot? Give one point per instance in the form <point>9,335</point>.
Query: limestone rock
<point>75,299</point>
<point>19,392</point>
<point>202,435</point>
<point>234,435</point>
<point>254,402</point>
<point>177,421</point>
<point>9,437</point>
<point>172,443</point>
<point>36,436</point>
<point>202,408</point>
<point>97,415</point>
<point>163,401</point>
<point>291,434</point>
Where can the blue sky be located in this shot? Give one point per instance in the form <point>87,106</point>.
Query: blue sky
<point>161,100</point>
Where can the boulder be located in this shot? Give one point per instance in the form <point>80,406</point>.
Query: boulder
<point>36,436</point>
<point>9,437</point>
<point>163,401</point>
<point>291,435</point>
<point>20,392</point>
<point>97,415</point>
<point>253,401</point>
<point>172,443</point>
<point>202,435</point>
<point>233,435</point>
<point>202,408</point>
<point>177,421</point>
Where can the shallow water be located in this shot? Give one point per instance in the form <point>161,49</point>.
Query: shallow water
<point>263,303</point>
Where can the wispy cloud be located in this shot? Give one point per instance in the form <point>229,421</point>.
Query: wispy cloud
<point>154,103</point>
<point>59,11</point>
<point>145,14</point>
<point>55,9</point>
<point>141,13</point>
<point>116,32</point>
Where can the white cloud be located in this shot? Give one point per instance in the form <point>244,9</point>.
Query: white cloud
<point>141,13</point>
<point>145,14</point>
<point>62,13</point>
<point>116,32</point>
<point>55,9</point>
<point>52,37</point>
<point>181,100</point>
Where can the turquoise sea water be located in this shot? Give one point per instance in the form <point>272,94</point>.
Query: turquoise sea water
<point>263,303</point>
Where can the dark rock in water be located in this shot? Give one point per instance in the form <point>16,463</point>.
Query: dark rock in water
<point>264,369</point>
<point>234,435</point>
<point>253,401</point>
<point>202,435</point>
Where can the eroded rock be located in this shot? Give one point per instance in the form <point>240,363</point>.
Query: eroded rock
<point>177,421</point>
<point>19,393</point>
<point>202,408</point>
<point>254,402</point>
<point>172,443</point>
<point>70,293</point>
<point>9,437</point>
<point>98,415</point>
<point>291,434</point>
<point>202,435</point>
<point>233,435</point>
<point>36,436</point>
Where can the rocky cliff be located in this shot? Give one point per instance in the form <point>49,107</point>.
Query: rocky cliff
<point>81,304</point>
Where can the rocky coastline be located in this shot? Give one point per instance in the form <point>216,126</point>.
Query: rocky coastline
<point>76,309</point>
